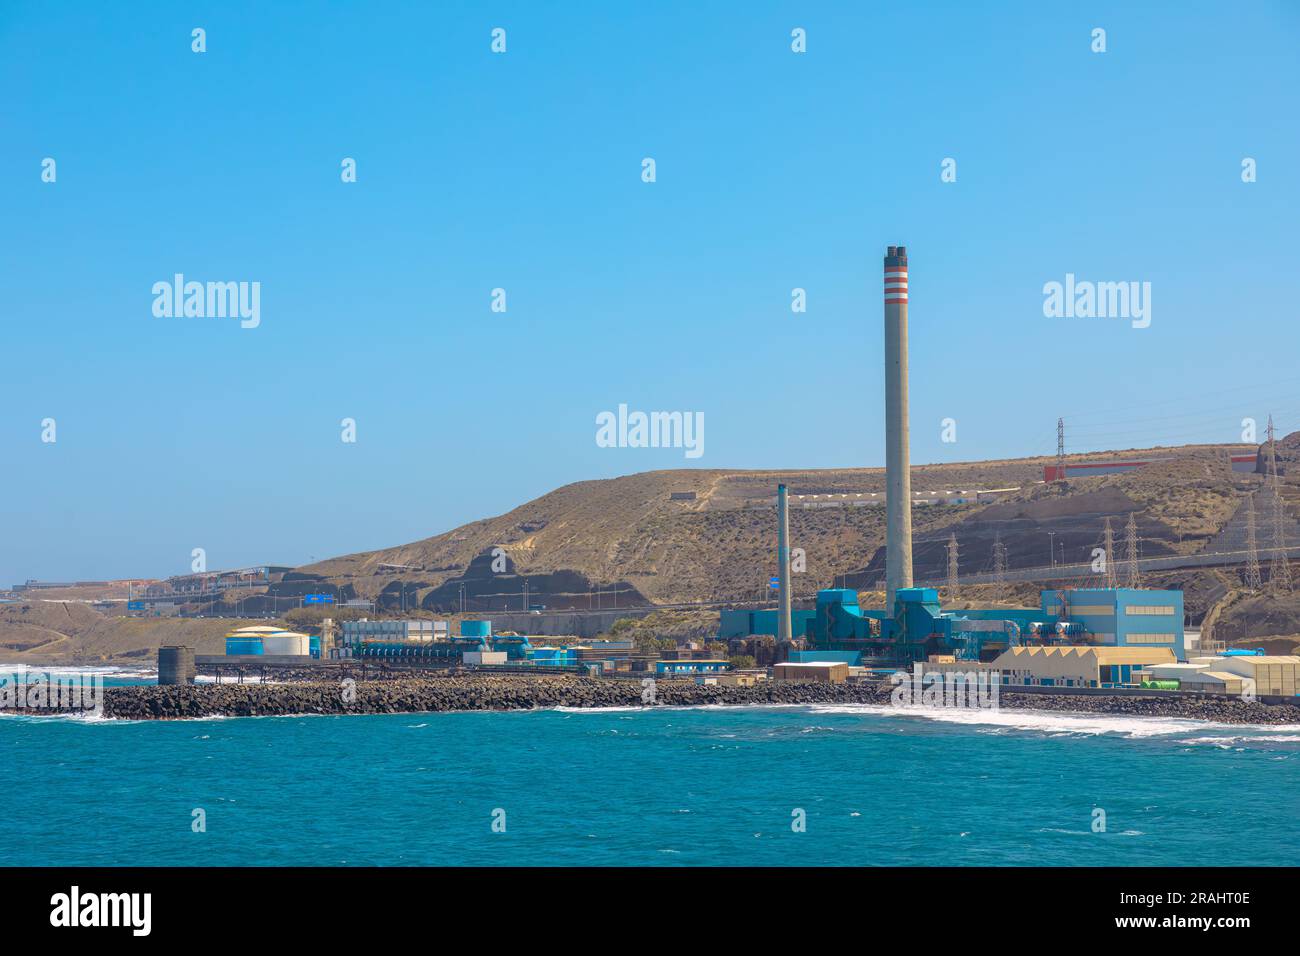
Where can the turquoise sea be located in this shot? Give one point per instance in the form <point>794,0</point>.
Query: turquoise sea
<point>723,786</point>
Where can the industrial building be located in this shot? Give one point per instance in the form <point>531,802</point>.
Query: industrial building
<point>1124,617</point>
<point>477,645</point>
<point>746,623</point>
<point>828,672</point>
<point>1066,666</point>
<point>918,628</point>
<point>1274,675</point>
<point>912,626</point>
<point>355,632</point>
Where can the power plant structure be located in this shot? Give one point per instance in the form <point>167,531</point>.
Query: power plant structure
<point>783,634</point>
<point>898,459</point>
<point>912,626</point>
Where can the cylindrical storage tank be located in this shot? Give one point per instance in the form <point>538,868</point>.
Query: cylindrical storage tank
<point>176,665</point>
<point>475,628</point>
<point>287,643</point>
<point>243,645</point>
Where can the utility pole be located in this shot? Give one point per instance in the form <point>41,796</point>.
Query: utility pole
<point>1051,547</point>
<point>1134,575</point>
<point>999,562</point>
<point>1060,450</point>
<point>952,567</point>
<point>1108,554</point>
<point>1252,548</point>
<point>1279,575</point>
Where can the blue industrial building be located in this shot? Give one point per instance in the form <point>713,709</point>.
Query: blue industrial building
<point>839,629</point>
<point>751,623</point>
<point>1123,617</point>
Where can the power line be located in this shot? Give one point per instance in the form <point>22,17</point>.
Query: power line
<point>952,567</point>
<point>1252,549</point>
<point>1279,575</point>
<point>1108,555</point>
<point>1133,578</point>
<point>999,562</point>
<point>1060,451</point>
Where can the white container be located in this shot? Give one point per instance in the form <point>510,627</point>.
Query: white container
<point>287,643</point>
<point>484,657</point>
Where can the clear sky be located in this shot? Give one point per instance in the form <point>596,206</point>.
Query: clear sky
<point>523,171</point>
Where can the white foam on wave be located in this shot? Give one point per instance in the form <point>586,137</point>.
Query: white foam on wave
<point>68,670</point>
<point>1056,723</point>
<point>80,716</point>
<point>656,708</point>
<point>1229,739</point>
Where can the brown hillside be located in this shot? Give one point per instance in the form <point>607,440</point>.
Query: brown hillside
<point>629,534</point>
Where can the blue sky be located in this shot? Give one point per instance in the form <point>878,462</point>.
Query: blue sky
<point>522,171</point>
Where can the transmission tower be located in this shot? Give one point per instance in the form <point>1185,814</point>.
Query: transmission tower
<point>1133,577</point>
<point>1252,547</point>
<point>1279,574</point>
<point>1060,449</point>
<point>952,567</point>
<point>999,561</point>
<point>1112,580</point>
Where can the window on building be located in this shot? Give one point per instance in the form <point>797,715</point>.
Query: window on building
<point>1158,610</point>
<point>1150,638</point>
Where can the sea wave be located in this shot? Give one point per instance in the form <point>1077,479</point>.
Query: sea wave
<point>1059,723</point>
<point>68,670</point>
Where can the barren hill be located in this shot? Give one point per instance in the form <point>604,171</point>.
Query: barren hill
<point>42,631</point>
<point>680,536</point>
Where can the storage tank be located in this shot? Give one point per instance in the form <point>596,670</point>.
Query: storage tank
<point>287,643</point>
<point>243,645</point>
<point>475,628</point>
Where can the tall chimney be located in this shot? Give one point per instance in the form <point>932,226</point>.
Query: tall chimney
<point>898,465</point>
<point>783,562</point>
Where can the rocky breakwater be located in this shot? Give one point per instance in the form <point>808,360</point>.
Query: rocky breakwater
<point>428,693</point>
<point>462,692</point>
<point>1219,710</point>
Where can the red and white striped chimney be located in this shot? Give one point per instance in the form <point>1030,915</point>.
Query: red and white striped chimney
<point>898,465</point>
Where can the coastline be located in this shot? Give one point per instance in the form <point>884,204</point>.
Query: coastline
<point>479,692</point>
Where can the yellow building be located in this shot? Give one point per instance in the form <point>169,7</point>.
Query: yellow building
<point>1273,674</point>
<point>1079,666</point>
<point>1066,666</point>
<point>826,672</point>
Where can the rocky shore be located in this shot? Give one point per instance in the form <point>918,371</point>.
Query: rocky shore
<point>419,694</point>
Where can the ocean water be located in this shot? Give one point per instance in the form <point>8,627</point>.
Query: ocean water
<point>668,786</point>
